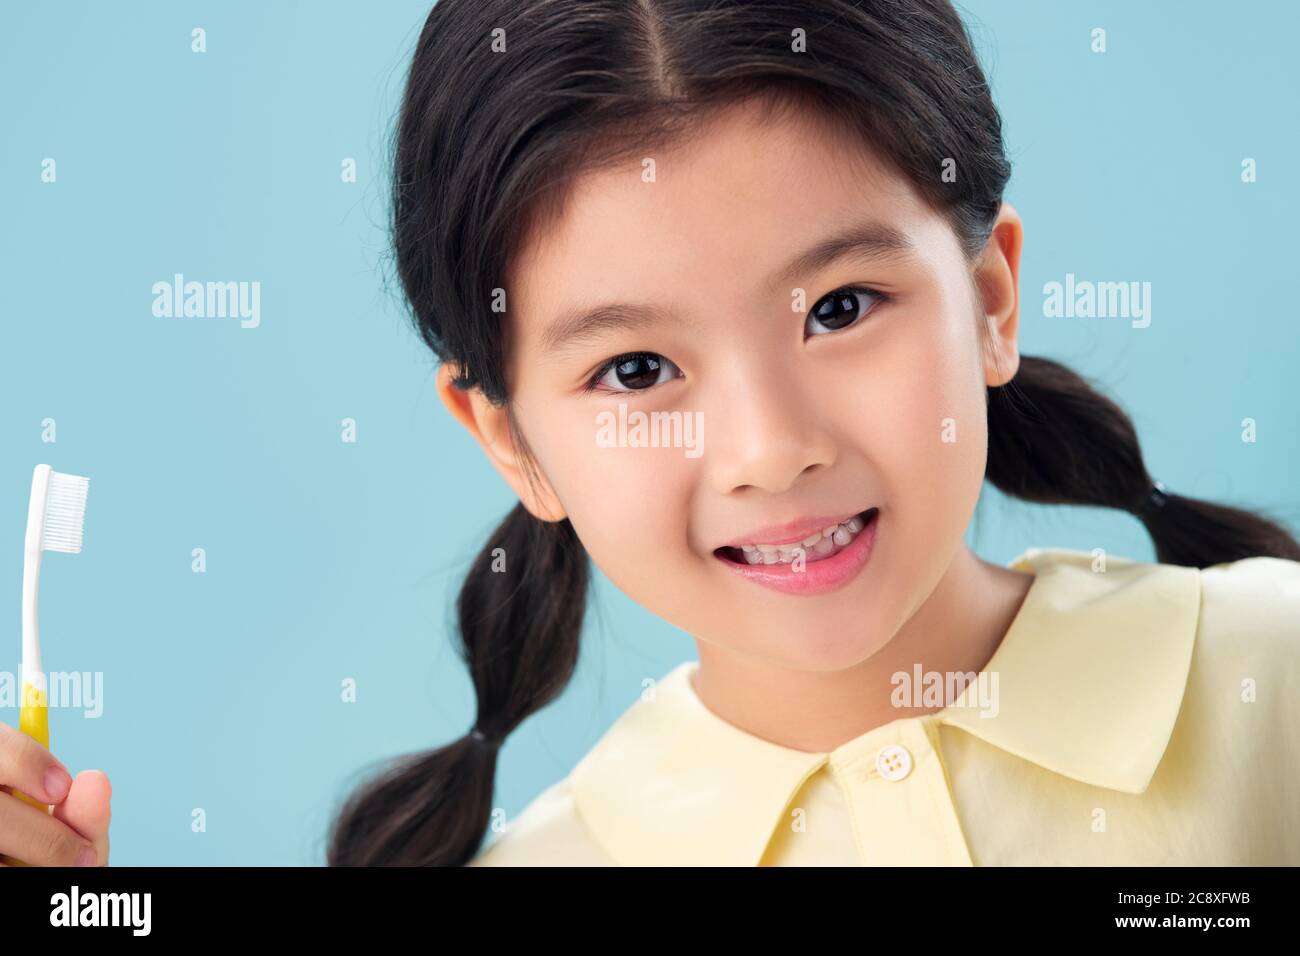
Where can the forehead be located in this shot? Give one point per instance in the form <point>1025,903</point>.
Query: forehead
<point>722,210</point>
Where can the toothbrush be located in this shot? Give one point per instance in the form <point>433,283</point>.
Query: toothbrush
<point>56,515</point>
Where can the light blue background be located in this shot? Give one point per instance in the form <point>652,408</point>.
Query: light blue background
<point>328,560</point>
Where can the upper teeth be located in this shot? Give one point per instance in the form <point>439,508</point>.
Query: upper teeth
<point>819,542</point>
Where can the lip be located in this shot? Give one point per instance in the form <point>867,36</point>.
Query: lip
<point>792,532</point>
<point>817,577</point>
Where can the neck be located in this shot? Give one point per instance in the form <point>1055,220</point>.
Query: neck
<point>956,630</point>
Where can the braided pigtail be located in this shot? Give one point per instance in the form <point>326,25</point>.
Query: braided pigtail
<point>520,617</point>
<point>1054,439</point>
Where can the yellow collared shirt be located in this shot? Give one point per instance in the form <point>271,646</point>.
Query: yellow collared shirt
<point>1145,715</point>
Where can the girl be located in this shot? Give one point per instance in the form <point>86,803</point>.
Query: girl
<point>728,294</point>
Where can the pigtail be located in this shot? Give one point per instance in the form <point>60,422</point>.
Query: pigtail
<point>1053,439</point>
<point>519,627</point>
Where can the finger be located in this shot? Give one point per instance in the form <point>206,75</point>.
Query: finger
<point>31,768</point>
<point>87,810</point>
<point>38,839</point>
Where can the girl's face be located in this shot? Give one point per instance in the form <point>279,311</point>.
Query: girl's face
<point>721,254</point>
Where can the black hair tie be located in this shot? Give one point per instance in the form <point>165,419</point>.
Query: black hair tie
<point>483,740</point>
<point>1155,499</point>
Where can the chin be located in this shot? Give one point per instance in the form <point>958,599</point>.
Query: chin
<point>809,647</point>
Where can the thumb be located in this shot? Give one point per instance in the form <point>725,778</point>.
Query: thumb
<point>86,809</point>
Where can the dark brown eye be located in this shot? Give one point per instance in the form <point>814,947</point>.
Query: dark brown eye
<point>839,309</point>
<point>634,372</point>
<point>638,371</point>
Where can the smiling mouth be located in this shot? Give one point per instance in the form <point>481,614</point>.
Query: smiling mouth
<point>817,547</point>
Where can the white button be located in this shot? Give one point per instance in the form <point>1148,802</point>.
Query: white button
<point>894,762</point>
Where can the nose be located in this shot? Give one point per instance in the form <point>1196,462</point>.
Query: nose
<point>767,439</point>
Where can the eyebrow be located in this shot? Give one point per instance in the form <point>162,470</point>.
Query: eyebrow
<point>866,240</point>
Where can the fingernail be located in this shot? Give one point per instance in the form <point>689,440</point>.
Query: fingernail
<point>57,783</point>
<point>87,856</point>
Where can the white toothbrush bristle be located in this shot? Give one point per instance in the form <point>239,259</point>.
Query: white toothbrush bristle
<point>65,512</point>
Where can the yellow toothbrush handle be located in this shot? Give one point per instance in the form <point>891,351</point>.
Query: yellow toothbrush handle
<point>34,721</point>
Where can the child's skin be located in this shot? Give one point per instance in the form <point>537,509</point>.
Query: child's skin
<point>796,422</point>
<point>81,812</point>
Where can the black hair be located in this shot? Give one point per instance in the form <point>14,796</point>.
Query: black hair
<point>505,102</point>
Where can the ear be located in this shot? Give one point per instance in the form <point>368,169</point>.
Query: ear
<point>997,280</point>
<point>489,426</point>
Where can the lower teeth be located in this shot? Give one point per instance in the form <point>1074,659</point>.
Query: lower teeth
<point>808,554</point>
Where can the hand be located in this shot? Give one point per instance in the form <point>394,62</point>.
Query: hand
<point>81,812</point>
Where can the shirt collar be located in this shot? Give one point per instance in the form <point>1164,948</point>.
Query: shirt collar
<point>1090,675</point>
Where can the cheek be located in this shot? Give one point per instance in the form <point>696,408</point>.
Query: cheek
<point>930,439</point>
<point>627,504</point>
